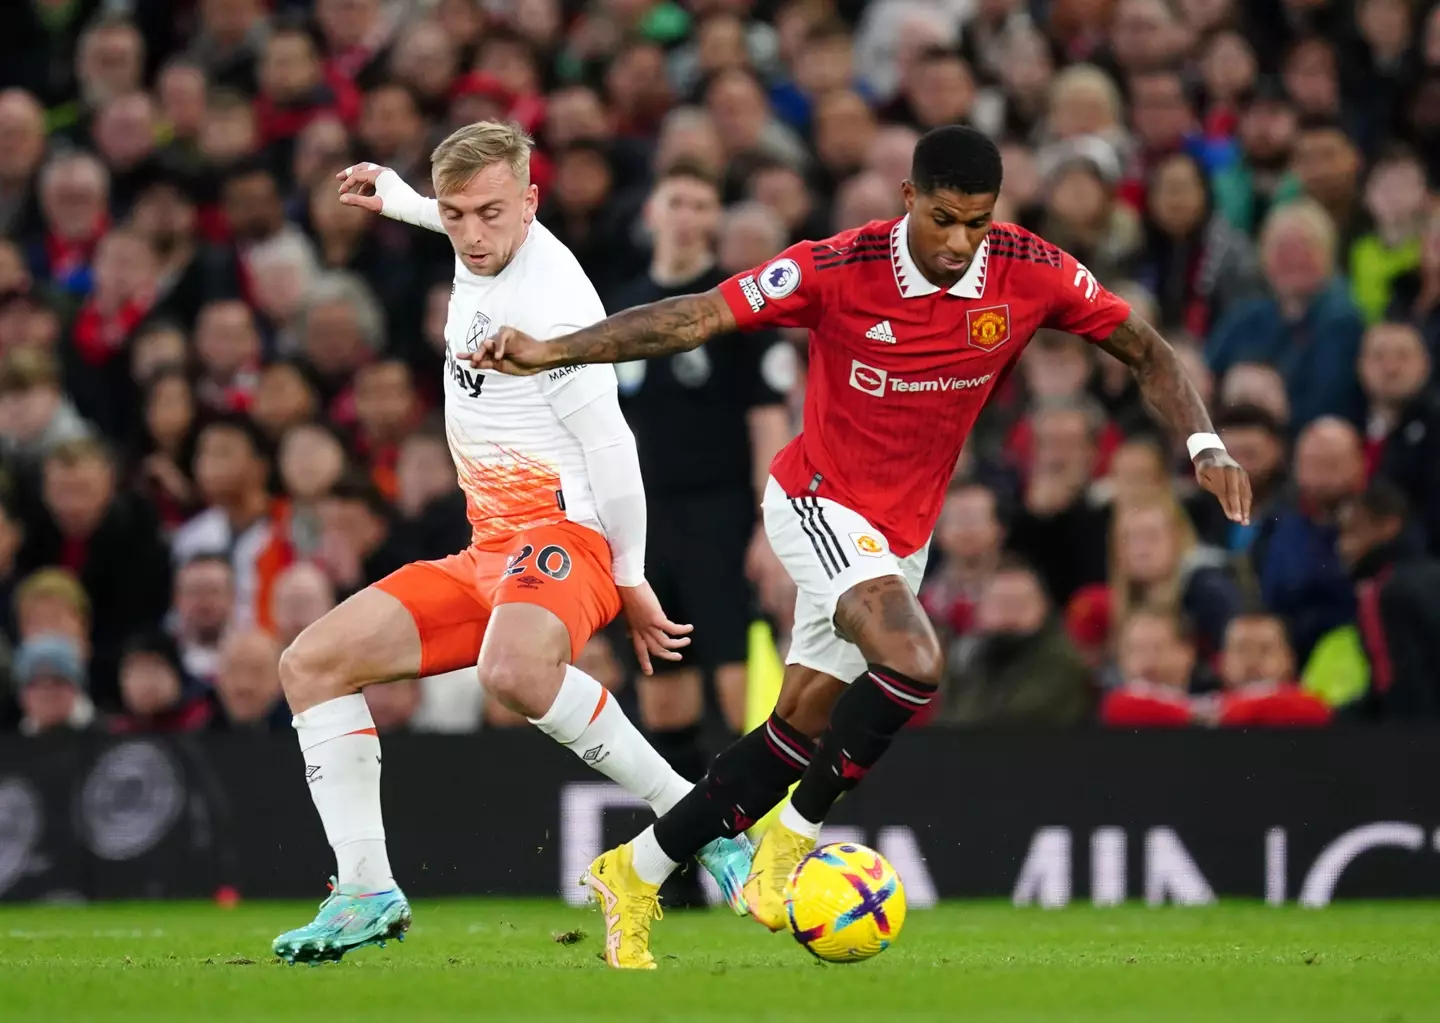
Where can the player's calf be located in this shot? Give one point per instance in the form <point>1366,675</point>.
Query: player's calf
<point>806,700</point>
<point>523,664</point>
<point>744,783</point>
<point>369,638</point>
<point>904,665</point>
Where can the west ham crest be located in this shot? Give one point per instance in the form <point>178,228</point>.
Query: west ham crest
<point>479,328</point>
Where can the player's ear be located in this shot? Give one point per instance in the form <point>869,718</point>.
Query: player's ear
<point>532,201</point>
<point>907,192</point>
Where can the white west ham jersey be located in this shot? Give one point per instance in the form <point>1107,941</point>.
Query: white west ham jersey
<point>519,466</point>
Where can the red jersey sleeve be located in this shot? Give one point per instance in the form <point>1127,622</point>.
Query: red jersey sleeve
<point>783,292</point>
<point>1080,305</point>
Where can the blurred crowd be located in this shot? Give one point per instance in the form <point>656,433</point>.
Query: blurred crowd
<point>219,386</point>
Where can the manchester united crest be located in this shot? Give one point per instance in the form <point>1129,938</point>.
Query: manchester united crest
<point>989,328</point>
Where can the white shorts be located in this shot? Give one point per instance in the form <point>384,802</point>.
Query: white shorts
<point>827,548</point>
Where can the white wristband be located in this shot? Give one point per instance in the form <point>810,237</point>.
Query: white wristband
<point>1199,442</point>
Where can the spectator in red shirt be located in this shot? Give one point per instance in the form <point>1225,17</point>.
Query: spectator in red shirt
<point>156,697</point>
<point>387,410</point>
<point>1155,656</point>
<point>74,201</point>
<point>111,540</point>
<point>228,346</point>
<point>295,88</point>
<point>1156,561</point>
<point>1257,667</point>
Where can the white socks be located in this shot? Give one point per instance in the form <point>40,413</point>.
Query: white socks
<point>650,860</point>
<point>342,766</point>
<point>791,818</point>
<point>587,721</point>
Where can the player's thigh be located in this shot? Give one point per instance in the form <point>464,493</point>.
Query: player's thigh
<point>827,548</point>
<point>551,592</point>
<point>448,610</point>
<point>814,643</point>
<point>884,619</point>
<point>851,587</point>
<point>416,619</point>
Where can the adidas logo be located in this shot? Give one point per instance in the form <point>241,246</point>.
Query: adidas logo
<point>881,332</point>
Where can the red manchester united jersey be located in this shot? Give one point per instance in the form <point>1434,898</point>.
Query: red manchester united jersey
<point>899,369</point>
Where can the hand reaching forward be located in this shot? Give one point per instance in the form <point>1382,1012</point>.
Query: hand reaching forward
<point>1222,476</point>
<point>357,186</point>
<point>652,632</point>
<point>511,351</point>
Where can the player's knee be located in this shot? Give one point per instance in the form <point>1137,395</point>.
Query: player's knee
<point>514,683</point>
<point>309,673</point>
<point>920,658</point>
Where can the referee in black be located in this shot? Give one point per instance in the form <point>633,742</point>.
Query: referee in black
<point>707,423</point>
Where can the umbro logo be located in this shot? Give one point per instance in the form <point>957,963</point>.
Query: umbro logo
<point>881,332</point>
<point>312,773</point>
<point>594,754</point>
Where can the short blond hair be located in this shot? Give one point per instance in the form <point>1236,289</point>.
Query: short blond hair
<point>469,150</point>
<point>58,583</point>
<point>1308,215</point>
<point>1087,78</point>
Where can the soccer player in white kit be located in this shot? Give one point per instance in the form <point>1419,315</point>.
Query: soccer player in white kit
<point>557,509</point>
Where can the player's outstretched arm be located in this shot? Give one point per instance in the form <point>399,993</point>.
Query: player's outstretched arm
<point>380,190</point>
<point>1168,389</point>
<point>645,332</point>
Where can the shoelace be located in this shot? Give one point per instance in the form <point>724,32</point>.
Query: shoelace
<point>645,908</point>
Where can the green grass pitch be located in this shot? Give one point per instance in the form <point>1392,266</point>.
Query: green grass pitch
<point>499,960</point>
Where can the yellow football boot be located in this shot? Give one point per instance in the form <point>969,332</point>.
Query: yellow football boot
<point>629,905</point>
<point>776,857</point>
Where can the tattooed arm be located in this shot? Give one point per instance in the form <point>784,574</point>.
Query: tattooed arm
<point>1167,388</point>
<point>645,332</point>
<point>1162,379</point>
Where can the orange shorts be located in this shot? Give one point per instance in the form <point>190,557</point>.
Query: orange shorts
<point>564,568</point>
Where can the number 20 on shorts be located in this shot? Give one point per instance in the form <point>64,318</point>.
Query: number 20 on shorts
<point>553,561</point>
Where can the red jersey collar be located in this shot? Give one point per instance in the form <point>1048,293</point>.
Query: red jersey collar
<point>913,284</point>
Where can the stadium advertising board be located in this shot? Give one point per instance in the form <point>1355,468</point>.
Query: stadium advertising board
<point>1043,820</point>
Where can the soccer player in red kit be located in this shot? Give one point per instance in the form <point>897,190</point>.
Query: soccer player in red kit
<point>913,325</point>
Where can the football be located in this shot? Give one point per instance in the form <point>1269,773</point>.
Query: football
<point>845,903</point>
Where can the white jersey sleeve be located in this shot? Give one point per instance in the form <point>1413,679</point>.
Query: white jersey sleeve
<point>403,203</point>
<point>614,467</point>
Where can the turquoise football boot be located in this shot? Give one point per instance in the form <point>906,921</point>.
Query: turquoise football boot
<point>727,860</point>
<point>347,920</point>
